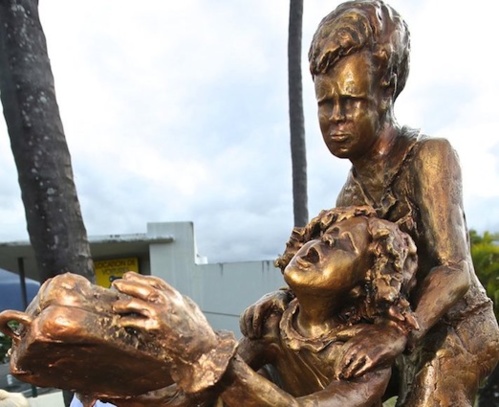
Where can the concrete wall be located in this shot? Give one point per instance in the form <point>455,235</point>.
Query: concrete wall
<point>222,290</point>
<point>47,400</point>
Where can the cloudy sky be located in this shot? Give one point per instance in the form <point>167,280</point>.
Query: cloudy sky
<point>177,111</point>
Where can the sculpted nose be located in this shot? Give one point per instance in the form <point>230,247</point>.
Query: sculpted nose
<point>337,114</point>
<point>312,255</point>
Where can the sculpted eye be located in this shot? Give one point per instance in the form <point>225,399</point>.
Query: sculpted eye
<point>325,105</point>
<point>350,101</point>
<point>345,243</point>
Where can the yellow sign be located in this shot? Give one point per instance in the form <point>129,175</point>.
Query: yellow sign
<point>106,271</point>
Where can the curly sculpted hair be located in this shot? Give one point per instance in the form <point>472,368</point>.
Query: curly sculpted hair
<point>387,283</point>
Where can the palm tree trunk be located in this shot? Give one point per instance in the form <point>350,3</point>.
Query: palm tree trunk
<point>41,154</point>
<point>296,119</point>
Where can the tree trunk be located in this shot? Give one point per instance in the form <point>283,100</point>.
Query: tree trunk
<point>296,120</point>
<point>41,154</point>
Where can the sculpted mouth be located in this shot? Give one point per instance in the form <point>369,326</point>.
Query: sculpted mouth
<point>338,137</point>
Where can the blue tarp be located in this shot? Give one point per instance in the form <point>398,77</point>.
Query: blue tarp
<point>11,296</point>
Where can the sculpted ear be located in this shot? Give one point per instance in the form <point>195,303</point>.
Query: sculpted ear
<point>388,89</point>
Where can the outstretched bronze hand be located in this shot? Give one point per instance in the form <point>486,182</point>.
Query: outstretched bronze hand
<point>196,355</point>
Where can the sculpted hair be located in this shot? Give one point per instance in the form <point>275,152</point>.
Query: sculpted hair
<point>392,275</point>
<point>360,25</point>
<point>389,280</point>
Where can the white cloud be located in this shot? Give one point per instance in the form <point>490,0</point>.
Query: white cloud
<point>178,111</point>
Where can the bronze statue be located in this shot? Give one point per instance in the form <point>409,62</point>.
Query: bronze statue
<point>359,60</point>
<point>359,302</point>
<point>345,277</point>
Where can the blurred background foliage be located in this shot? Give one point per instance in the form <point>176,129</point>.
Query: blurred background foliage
<point>485,254</point>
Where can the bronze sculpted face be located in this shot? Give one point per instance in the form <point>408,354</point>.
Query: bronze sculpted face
<point>333,264</point>
<point>350,106</point>
<point>359,60</point>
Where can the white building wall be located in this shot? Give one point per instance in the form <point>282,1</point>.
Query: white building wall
<point>222,290</point>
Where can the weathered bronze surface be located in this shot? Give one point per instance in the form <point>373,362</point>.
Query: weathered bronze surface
<point>69,337</point>
<point>345,275</point>
<point>359,60</point>
<point>360,301</point>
